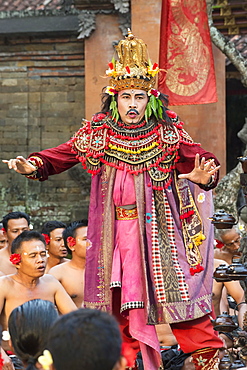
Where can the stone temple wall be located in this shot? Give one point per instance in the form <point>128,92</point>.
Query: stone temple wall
<point>41,106</point>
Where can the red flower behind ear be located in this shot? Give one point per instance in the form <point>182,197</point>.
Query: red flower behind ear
<point>71,241</point>
<point>15,258</point>
<point>4,230</point>
<point>47,238</point>
<point>218,244</point>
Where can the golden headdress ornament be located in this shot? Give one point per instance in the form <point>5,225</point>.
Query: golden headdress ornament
<point>133,70</point>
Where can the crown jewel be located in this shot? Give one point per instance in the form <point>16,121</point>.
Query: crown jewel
<point>133,70</point>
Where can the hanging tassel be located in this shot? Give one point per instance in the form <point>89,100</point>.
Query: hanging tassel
<point>196,269</point>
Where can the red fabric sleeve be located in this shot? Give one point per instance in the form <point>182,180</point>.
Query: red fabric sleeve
<point>186,163</point>
<point>55,160</point>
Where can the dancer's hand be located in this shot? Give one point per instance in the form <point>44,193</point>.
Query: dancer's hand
<point>20,165</point>
<point>202,172</point>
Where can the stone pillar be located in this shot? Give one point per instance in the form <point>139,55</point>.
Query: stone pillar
<point>99,51</point>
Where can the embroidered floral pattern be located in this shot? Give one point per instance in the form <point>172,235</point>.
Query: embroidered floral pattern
<point>148,218</point>
<point>201,198</point>
<point>201,361</point>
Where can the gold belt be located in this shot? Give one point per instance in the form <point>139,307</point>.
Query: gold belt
<point>126,214</point>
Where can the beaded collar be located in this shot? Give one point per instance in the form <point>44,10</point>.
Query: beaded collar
<point>149,146</point>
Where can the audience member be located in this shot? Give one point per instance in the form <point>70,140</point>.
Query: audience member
<point>29,282</point>
<point>3,237</point>
<point>29,326</point>
<point>14,223</point>
<point>57,251</point>
<point>230,238</point>
<point>86,340</point>
<point>75,239</point>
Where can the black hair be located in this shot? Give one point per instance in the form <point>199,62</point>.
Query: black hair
<point>106,102</point>
<point>86,339</point>
<point>71,231</point>
<point>26,236</point>
<point>52,225</point>
<point>29,325</point>
<point>14,216</point>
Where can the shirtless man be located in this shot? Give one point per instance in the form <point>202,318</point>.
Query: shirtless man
<point>29,281</point>
<point>231,243</point>
<point>53,232</point>
<point>14,223</point>
<point>75,239</point>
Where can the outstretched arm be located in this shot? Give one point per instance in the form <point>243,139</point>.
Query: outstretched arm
<point>202,172</point>
<point>41,165</point>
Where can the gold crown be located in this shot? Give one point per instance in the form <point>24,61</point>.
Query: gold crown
<point>133,69</point>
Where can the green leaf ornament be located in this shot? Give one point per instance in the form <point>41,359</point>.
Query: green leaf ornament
<point>154,105</point>
<point>148,111</point>
<point>113,108</point>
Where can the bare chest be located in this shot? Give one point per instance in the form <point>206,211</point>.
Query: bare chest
<point>73,283</point>
<point>20,294</point>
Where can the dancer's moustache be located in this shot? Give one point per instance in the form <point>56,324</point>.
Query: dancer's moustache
<point>133,110</point>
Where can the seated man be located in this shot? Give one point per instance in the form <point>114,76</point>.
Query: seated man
<point>86,340</point>
<point>53,233</point>
<point>14,223</point>
<point>75,239</point>
<point>230,238</point>
<point>29,282</point>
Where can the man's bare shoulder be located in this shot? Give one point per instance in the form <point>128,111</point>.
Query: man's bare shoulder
<point>4,258</point>
<point>4,254</point>
<point>3,251</point>
<point>47,278</point>
<point>218,262</point>
<point>58,270</point>
<point>6,281</point>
